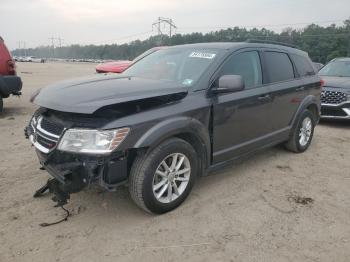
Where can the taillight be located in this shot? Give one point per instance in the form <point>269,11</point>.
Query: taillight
<point>322,82</point>
<point>11,67</point>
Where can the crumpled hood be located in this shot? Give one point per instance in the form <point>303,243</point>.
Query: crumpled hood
<point>337,82</point>
<point>86,95</point>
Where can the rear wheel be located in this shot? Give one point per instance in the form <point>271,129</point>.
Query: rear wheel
<point>161,180</point>
<point>303,132</point>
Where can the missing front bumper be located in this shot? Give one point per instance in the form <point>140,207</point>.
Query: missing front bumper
<point>75,172</point>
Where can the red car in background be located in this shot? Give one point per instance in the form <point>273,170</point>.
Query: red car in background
<point>7,64</point>
<point>113,67</point>
<point>10,83</point>
<point>121,65</point>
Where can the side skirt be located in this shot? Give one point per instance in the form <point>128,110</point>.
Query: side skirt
<point>280,138</point>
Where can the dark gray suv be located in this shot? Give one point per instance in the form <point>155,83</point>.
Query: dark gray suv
<point>176,114</point>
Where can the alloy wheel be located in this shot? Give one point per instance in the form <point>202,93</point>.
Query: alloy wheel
<point>305,131</point>
<point>171,177</point>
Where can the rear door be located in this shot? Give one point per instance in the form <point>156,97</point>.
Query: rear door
<point>241,120</point>
<point>287,89</point>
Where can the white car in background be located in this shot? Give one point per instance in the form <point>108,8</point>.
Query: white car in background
<point>33,59</point>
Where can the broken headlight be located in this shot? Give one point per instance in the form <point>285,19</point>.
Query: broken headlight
<point>92,141</point>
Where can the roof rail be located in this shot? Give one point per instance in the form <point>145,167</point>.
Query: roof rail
<point>338,58</point>
<point>269,42</point>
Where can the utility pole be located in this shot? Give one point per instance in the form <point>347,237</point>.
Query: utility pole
<point>52,45</point>
<point>157,24</point>
<point>349,44</point>
<point>24,46</point>
<point>60,40</point>
<point>164,21</point>
<point>19,47</point>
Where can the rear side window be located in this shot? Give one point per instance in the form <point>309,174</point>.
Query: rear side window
<point>247,65</point>
<point>279,66</point>
<point>303,65</point>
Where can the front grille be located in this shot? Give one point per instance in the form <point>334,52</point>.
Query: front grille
<point>45,133</point>
<point>333,97</point>
<point>51,127</point>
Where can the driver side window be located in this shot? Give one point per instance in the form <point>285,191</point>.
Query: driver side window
<point>247,65</point>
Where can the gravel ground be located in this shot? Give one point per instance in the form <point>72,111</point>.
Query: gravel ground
<point>275,206</point>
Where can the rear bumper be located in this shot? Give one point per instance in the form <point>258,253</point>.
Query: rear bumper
<point>10,85</point>
<point>340,111</point>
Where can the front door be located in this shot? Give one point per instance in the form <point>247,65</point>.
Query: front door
<point>241,120</point>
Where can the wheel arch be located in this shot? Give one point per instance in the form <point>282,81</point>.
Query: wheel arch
<point>3,88</point>
<point>314,110</point>
<point>310,103</point>
<point>189,129</point>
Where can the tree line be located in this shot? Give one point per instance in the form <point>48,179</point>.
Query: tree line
<point>323,43</point>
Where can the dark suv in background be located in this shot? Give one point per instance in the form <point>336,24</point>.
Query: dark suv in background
<point>176,114</point>
<point>335,96</point>
<point>10,84</point>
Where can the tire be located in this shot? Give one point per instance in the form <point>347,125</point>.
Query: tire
<point>296,143</point>
<point>144,180</point>
<point>1,104</point>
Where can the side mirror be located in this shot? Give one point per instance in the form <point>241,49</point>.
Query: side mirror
<point>229,84</point>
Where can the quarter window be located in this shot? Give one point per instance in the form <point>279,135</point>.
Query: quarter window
<point>303,65</point>
<point>279,66</point>
<point>247,65</point>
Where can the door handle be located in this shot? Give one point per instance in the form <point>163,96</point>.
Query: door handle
<point>265,98</point>
<point>300,89</point>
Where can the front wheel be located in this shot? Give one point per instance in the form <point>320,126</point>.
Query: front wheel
<point>303,132</point>
<point>161,179</point>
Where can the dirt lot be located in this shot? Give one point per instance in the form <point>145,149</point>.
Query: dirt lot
<point>276,206</point>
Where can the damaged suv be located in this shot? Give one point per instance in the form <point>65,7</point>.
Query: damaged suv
<point>176,114</point>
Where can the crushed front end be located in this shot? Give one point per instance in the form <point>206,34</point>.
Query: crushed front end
<point>74,170</point>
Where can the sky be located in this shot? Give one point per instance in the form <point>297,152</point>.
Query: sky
<point>115,21</point>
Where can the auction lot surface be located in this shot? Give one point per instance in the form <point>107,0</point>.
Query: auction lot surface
<point>275,206</point>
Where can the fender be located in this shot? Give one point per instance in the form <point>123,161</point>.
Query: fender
<point>307,101</point>
<point>176,126</point>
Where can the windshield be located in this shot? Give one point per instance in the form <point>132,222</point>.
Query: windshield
<point>180,65</point>
<point>144,54</point>
<point>337,68</point>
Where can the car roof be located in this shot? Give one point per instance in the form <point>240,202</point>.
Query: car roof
<point>341,59</point>
<point>238,45</point>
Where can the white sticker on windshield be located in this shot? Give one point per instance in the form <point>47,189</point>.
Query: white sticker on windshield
<point>187,82</point>
<point>202,55</point>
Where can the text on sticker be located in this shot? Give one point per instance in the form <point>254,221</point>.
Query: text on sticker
<point>202,55</point>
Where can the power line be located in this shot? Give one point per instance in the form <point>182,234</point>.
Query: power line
<point>264,25</point>
<point>123,37</point>
<point>185,28</point>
